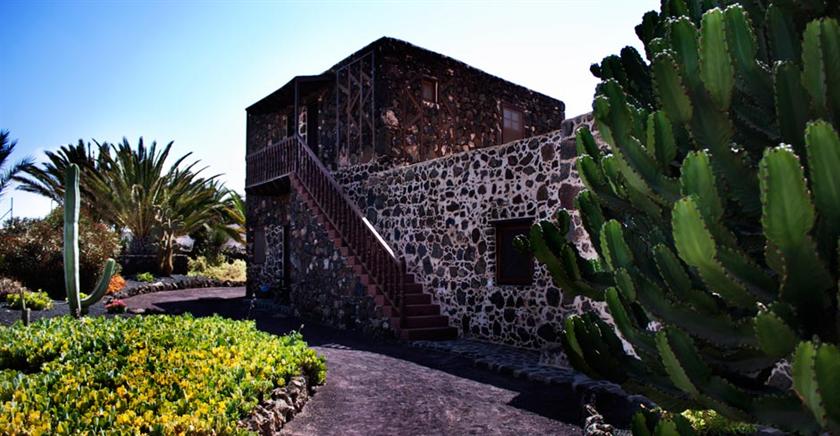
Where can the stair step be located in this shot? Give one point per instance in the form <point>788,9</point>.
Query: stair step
<point>413,288</point>
<point>429,334</point>
<point>421,309</point>
<point>412,299</point>
<point>425,321</point>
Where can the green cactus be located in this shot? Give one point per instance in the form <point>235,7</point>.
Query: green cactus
<point>715,214</point>
<point>78,305</point>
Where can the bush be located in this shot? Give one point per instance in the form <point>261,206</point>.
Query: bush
<point>145,277</point>
<point>234,271</point>
<point>116,284</point>
<point>34,300</point>
<point>9,286</point>
<point>151,374</point>
<point>31,251</point>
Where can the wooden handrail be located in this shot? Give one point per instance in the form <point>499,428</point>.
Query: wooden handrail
<point>292,157</point>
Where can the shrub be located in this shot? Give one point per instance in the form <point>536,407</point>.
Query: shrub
<point>116,284</point>
<point>31,251</point>
<point>34,300</point>
<point>145,277</point>
<point>227,271</point>
<point>717,246</point>
<point>116,306</point>
<point>151,374</point>
<point>10,286</point>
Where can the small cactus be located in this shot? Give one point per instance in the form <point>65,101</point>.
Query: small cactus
<point>78,305</point>
<point>24,311</point>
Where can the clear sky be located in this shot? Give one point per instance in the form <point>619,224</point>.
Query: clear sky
<point>184,71</point>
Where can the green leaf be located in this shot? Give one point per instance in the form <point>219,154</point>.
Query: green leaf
<point>774,336</point>
<point>669,88</point>
<point>715,64</point>
<point>666,427</point>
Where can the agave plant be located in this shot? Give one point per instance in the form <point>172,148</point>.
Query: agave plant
<point>714,208</point>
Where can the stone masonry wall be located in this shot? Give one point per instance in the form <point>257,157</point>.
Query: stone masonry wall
<point>466,115</point>
<point>440,214</point>
<point>322,287</point>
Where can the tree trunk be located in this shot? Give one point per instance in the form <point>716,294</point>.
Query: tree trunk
<point>166,255</point>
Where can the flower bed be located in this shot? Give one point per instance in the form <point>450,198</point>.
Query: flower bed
<point>175,282</point>
<point>153,374</point>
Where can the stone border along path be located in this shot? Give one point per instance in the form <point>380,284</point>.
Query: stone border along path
<point>388,388</point>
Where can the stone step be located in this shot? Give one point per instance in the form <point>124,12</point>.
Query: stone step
<point>413,288</point>
<point>425,321</point>
<point>412,299</point>
<point>421,309</point>
<point>429,334</point>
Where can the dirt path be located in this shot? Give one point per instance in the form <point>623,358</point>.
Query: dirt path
<point>384,388</point>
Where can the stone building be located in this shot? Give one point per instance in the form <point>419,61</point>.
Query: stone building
<point>384,194</point>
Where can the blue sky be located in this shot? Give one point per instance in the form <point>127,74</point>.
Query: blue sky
<point>185,71</point>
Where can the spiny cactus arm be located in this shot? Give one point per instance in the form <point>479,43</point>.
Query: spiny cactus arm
<point>670,90</point>
<point>716,329</point>
<point>792,103</point>
<point>550,248</point>
<point>820,60</point>
<point>775,337</point>
<point>660,140</point>
<point>71,238</point>
<point>716,68</point>
<point>101,286</point>
<point>697,248</point>
<point>675,277</point>
<point>585,143</point>
<point>816,379</point>
<point>627,128</point>
<point>784,39</point>
<point>743,45</point>
<point>823,148</point>
<point>787,219</point>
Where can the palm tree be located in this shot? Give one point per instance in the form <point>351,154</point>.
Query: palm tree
<point>47,179</point>
<point>8,174</point>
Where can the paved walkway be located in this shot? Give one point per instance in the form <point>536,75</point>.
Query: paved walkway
<point>382,388</point>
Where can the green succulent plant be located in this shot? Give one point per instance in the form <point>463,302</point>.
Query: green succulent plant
<point>714,209</point>
<point>78,304</point>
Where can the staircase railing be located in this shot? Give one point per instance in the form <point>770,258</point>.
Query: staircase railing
<point>291,156</point>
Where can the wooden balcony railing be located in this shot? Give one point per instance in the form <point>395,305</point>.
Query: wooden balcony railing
<point>291,157</point>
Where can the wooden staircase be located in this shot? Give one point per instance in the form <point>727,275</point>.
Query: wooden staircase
<point>410,310</point>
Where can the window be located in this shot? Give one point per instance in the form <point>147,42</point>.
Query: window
<point>512,127</point>
<point>259,245</point>
<point>428,89</point>
<point>513,267</point>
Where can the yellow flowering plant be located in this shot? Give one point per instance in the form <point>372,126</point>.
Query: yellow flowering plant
<point>153,374</point>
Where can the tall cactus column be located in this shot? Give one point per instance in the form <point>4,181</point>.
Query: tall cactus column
<point>78,306</point>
